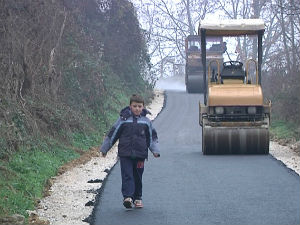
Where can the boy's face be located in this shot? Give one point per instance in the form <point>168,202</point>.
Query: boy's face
<point>136,108</point>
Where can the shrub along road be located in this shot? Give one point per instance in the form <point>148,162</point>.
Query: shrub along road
<point>186,187</point>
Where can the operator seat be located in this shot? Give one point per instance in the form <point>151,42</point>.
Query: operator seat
<point>234,71</point>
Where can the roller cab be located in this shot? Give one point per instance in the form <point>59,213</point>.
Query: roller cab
<point>234,116</point>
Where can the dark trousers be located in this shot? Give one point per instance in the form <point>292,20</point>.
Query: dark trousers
<point>132,173</point>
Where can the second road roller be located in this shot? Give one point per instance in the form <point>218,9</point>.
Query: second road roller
<point>193,67</point>
<point>235,116</point>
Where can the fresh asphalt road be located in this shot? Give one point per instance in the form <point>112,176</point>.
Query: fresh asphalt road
<point>184,186</point>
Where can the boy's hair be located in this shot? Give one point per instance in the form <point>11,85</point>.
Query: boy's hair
<point>136,98</point>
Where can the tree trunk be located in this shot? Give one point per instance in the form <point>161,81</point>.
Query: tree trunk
<point>294,54</point>
<point>191,26</point>
<point>284,36</point>
<point>54,77</point>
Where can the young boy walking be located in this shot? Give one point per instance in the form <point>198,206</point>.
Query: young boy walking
<point>136,135</point>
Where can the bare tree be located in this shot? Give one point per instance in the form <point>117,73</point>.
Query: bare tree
<point>168,24</point>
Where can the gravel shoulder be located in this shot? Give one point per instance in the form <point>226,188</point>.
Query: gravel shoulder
<point>289,155</point>
<point>72,194</point>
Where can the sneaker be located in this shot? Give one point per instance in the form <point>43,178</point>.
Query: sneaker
<point>138,203</point>
<point>128,204</point>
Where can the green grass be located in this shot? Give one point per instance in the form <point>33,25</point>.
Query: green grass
<point>25,176</point>
<point>84,142</point>
<point>283,129</point>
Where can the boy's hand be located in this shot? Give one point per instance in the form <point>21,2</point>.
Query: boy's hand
<point>156,155</point>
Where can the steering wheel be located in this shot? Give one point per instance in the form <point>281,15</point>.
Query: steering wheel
<point>233,63</point>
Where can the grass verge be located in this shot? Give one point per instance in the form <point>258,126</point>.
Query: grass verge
<point>284,130</point>
<point>26,174</point>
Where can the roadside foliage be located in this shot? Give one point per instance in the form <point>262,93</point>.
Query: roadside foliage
<point>66,69</point>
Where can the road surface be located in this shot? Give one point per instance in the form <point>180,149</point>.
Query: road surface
<point>185,187</point>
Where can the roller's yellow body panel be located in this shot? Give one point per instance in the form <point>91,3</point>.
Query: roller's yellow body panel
<point>235,94</point>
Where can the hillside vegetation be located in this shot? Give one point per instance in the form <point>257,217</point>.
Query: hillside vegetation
<point>66,69</point>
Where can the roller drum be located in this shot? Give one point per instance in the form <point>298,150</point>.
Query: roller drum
<point>235,140</point>
<point>194,83</point>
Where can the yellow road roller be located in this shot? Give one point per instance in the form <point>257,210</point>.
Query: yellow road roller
<point>234,116</point>
<point>193,67</point>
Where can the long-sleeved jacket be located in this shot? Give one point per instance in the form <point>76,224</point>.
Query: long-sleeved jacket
<point>135,133</point>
